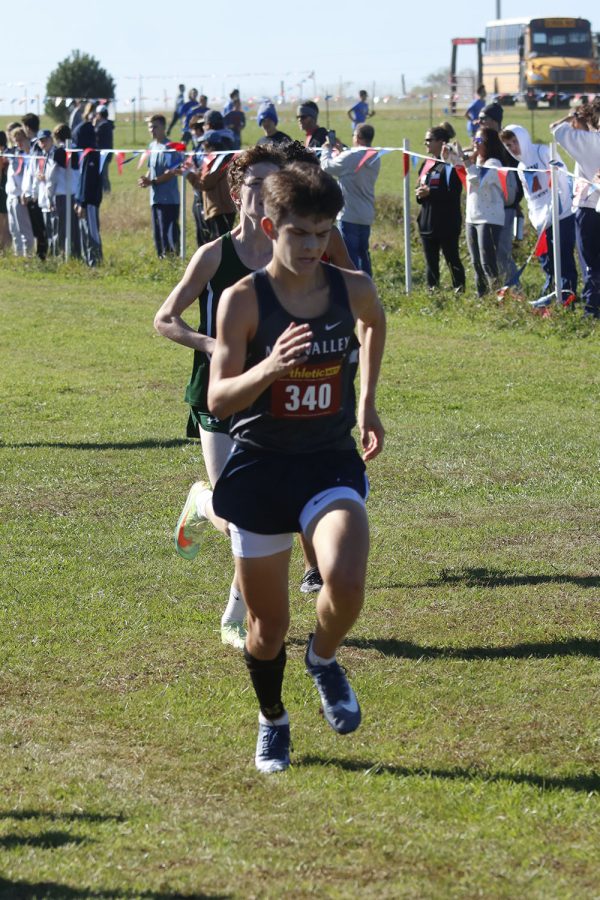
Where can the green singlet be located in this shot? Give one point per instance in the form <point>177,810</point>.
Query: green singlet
<point>231,270</point>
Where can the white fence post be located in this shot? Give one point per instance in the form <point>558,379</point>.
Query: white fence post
<point>406,181</point>
<point>556,226</point>
<point>182,217</point>
<point>69,203</point>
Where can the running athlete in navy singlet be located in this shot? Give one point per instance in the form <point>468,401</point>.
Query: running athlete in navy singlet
<point>282,368</point>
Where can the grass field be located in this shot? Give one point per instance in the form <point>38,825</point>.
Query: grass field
<point>127,731</point>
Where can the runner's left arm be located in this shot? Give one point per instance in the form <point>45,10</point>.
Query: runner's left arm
<point>370,318</point>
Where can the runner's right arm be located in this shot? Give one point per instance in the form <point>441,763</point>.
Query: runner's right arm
<point>168,320</point>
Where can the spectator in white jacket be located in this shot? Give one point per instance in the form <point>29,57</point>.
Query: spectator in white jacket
<point>579,135</point>
<point>485,209</point>
<point>534,172</point>
<point>357,177</point>
<point>19,222</point>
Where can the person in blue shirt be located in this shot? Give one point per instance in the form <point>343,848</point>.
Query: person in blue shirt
<point>185,111</point>
<point>472,113</point>
<point>360,112</point>
<point>164,166</point>
<point>179,101</point>
<point>234,95</point>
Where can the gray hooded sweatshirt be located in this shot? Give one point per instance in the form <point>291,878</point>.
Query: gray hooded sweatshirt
<point>533,160</point>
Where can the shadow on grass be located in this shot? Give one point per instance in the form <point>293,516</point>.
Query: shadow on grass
<point>47,840</point>
<point>74,816</point>
<point>493,578</point>
<point>147,444</point>
<point>50,890</point>
<point>408,650</point>
<point>536,650</point>
<point>585,783</point>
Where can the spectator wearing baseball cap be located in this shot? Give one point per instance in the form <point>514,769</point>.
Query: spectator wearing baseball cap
<point>267,120</point>
<point>307,114</point>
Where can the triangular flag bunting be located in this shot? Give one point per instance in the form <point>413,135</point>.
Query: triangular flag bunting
<point>541,246</point>
<point>503,175</point>
<point>367,155</point>
<point>120,161</point>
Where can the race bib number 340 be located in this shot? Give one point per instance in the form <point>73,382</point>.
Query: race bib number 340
<point>308,391</point>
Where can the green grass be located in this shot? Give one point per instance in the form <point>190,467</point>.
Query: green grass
<point>127,731</point>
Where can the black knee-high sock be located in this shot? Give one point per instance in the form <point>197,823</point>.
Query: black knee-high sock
<point>267,680</point>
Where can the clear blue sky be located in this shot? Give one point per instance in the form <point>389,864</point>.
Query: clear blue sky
<point>220,45</point>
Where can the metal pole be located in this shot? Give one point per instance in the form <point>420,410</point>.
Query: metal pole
<point>407,255</point>
<point>182,217</point>
<point>69,205</point>
<point>556,226</point>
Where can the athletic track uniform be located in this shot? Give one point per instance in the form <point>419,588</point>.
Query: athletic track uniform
<point>293,445</point>
<point>231,270</point>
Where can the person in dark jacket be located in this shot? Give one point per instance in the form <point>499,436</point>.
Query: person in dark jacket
<point>88,196</point>
<point>439,220</point>
<point>104,141</point>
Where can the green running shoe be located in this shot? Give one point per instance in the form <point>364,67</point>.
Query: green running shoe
<point>234,634</point>
<point>191,521</point>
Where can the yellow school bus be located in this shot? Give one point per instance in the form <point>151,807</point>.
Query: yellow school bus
<point>548,59</point>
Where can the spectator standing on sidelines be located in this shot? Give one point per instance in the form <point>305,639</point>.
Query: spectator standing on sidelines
<point>19,220</point>
<point>44,198</point>
<point>88,194</point>
<point>578,134</point>
<point>533,166</point>
<point>164,166</point>
<point>31,124</point>
<point>360,112</point>
<point>307,115</point>
<point>190,104</point>
<point>219,209</point>
<point>4,231</point>
<point>179,101</point>
<point>357,177</point>
<point>473,111</point>
<point>268,120</point>
<point>439,220</point>
<point>490,116</point>
<point>485,209</point>
<point>234,95</point>
<point>295,466</point>
<point>105,141</point>
<point>235,120</point>
<point>59,177</point>
<point>76,114</point>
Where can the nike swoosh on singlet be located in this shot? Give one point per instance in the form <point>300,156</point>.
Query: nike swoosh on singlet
<point>331,327</point>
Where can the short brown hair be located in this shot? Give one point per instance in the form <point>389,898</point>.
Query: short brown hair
<point>158,118</point>
<point>365,132</point>
<point>62,133</point>
<point>303,190</point>
<point>261,153</point>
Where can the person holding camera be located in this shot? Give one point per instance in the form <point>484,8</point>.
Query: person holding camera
<point>439,221</point>
<point>357,171</point>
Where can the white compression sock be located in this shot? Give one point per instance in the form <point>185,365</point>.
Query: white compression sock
<point>315,660</point>
<point>235,611</point>
<point>282,720</point>
<point>202,500</point>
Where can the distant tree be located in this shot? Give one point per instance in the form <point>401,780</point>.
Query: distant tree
<point>79,75</point>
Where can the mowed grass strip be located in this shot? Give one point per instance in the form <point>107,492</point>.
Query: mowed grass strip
<point>127,730</point>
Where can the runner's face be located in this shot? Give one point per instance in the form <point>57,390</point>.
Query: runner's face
<point>300,242</point>
<point>512,145</point>
<point>251,204</point>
